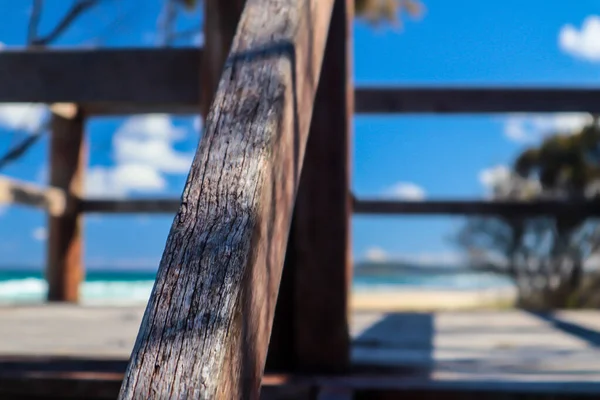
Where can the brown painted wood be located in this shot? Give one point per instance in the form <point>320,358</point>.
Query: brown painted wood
<point>311,328</point>
<point>12,191</point>
<point>65,233</point>
<point>461,207</point>
<point>207,324</point>
<point>129,206</point>
<point>220,23</point>
<point>385,100</point>
<point>105,80</point>
<point>379,207</point>
<point>115,81</point>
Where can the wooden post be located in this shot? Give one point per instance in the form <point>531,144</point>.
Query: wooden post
<point>206,328</point>
<point>65,240</point>
<point>310,332</point>
<point>221,18</point>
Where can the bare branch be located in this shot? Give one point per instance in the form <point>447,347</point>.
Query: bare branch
<point>34,20</point>
<point>167,23</point>
<point>76,10</point>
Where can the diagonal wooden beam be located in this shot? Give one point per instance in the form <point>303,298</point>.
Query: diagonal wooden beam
<point>206,328</point>
<point>50,199</point>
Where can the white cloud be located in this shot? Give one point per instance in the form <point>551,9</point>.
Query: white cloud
<point>149,140</point>
<point>528,128</point>
<point>22,116</point>
<point>582,43</point>
<point>121,180</point>
<point>144,153</point>
<point>501,183</point>
<point>494,176</point>
<point>376,254</point>
<point>40,233</point>
<point>405,191</point>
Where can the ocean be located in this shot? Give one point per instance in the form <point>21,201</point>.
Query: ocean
<point>134,287</point>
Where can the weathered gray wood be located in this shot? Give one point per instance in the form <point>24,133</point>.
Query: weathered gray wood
<point>485,351</point>
<point>64,269</point>
<point>477,207</point>
<point>207,325</point>
<point>128,206</point>
<point>15,192</point>
<point>104,80</point>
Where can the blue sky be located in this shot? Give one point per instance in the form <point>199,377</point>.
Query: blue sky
<point>456,42</point>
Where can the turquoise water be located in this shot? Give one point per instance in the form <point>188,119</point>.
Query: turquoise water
<point>135,286</point>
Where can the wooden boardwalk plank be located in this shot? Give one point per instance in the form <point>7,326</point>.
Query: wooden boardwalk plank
<point>442,350</point>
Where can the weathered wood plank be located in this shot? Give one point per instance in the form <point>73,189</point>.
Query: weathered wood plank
<point>384,100</point>
<point>104,80</point>
<point>466,208</point>
<point>310,333</point>
<point>207,325</point>
<point>128,206</point>
<point>220,23</point>
<point>12,191</point>
<point>65,233</point>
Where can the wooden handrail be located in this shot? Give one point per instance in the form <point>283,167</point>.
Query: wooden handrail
<point>383,207</point>
<point>115,81</point>
<point>16,192</point>
<point>207,324</point>
<point>466,208</point>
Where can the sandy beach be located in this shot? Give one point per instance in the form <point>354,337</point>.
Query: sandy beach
<point>431,300</point>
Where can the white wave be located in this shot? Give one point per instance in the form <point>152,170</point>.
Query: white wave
<point>34,289</point>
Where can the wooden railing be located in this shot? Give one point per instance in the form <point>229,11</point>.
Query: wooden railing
<point>207,325</point>
<point>269,186</point>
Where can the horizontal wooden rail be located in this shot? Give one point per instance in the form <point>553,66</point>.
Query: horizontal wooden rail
<point>138,81</point>
<point>468,208</point>
<point>380,207</point>
<point>385,100</point>
<point>15,192</point>
<point>104,81</point>
<point>129,206</point>
<point>206,328</point>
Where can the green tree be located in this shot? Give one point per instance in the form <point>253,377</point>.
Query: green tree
<point>543,256</point>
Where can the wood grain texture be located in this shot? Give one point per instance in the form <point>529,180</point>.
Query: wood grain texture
<point>310,333</point>
<point>53,200</point>
<point>207,324</point>
<point>65,233</point>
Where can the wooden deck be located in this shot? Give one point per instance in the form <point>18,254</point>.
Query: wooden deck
<point>459,351</point>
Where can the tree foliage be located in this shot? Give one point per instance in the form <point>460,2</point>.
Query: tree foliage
<point>544,256</point>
